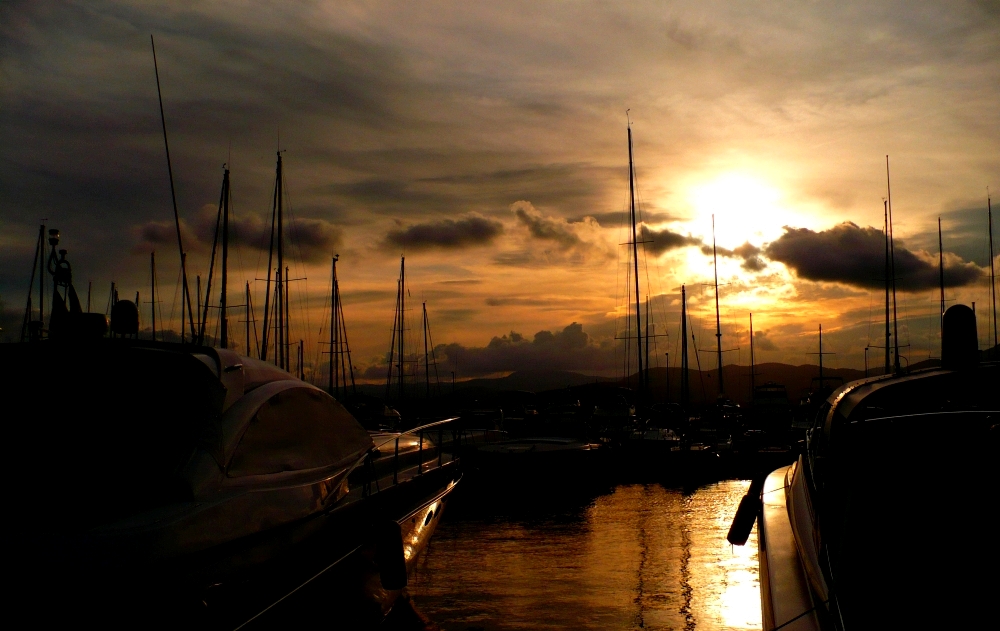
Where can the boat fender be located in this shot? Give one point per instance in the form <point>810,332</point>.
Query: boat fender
<point>389,554</point>
<point>746,514</point>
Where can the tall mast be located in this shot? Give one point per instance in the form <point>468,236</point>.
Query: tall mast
<point>334,330</point>
<point>753,368</point>
<point>685,384</point>
<point>392,345</point>
<point>427,365</point>
<point>36,264</point>
<point>635,262</point>
<point>402,312</point>
<point>173,197</point>
<point>152,288</point>
<point>287,320</point>
<point>223,314</point>
<point>198,337</point>
<point>282,284</point>
<point>888,273</point>
<point>247,318</point>
<point>270,261</point>
<point>718,323</point>
<point>184,295</point>
<point>892,256</point>
<point>223,208</point>
<point>345,353</point>
<point>993,282</point>
<point>647,338</point>
<point>941,279</point>
<point>821,357</point>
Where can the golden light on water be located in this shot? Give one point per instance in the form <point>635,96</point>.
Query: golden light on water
<point>642,556</point>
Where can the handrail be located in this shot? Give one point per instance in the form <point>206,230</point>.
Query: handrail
<point>419,429</point>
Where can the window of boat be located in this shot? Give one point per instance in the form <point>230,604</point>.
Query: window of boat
<point>297,429</point>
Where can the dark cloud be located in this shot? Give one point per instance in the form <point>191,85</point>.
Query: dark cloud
<point>660,241</point>
<point>855,256</point>
<point>545,228</point>
<point>614,219</point>
<point>312,239</point>
<point>452,234</point>
<point>750,253</point>
<point>762,342</point>
<point>568,349</point>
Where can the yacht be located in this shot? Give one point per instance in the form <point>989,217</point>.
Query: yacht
<point>883,522</point>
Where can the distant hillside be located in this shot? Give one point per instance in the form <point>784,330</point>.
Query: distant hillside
<point>797,379</point>
<point>736,379</point>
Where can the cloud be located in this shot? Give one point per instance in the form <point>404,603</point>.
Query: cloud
<point>471,230</point>
<point>312,239</point>
<point>855,256</point>
<point>553,241</point>
<point>762,342</point>
<point>569,349</point>
<point>616,218</point>
<point>545,228</point>
<point>660,241</point>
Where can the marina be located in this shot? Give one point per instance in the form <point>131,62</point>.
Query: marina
<point>430,358</point>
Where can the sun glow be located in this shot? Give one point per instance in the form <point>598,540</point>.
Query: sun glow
<point>745,208</point>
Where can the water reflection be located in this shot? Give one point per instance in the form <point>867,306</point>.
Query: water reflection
<point>641,556</point>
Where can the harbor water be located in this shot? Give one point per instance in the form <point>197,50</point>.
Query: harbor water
<point>638,556</point>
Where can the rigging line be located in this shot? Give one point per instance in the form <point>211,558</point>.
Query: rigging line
<point>173,302</point>
<point>303,304</point>
<point>173,194</point>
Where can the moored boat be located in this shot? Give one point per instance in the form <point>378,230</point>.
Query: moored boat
<point>875,526</point>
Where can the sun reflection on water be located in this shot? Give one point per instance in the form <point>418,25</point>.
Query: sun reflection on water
<point>642,556</point>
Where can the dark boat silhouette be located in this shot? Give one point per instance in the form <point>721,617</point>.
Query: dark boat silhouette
<point>174,484</point>
<point>879,524</point>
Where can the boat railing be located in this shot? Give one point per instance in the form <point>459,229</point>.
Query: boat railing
<point>444,441</point>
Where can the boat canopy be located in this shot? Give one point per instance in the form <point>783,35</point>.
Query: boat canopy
<point>122,418</point>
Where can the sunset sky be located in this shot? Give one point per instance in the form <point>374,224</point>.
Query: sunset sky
<point>487,143</point>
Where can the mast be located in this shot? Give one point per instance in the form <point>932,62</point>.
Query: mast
<point>685,384</point>
<point>152,288</point>
<point>941,278</point>
<point>888,346</point>
<point>821,357</point>
<point>427,366</point>
<point>270,269</point>
<point>246,308</point>
<point>753,368</point>
<point>892,255</point>
<point>402,311</point>
<point>718,323</point>
<point>203,315</point>
<point>183,295</point>
<point>287,333</point>
<point>993,282</point>
<point>223,314</point>
<point>647,338</point>
<point>199,336</point>
<point>173,197</point>
<point>36,264</point>
<point>635,262</point>
<point>392,345</point>
<point>282,284</point>
<point>334,330</point>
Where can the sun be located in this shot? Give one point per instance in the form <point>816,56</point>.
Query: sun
<point>746,208</point>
